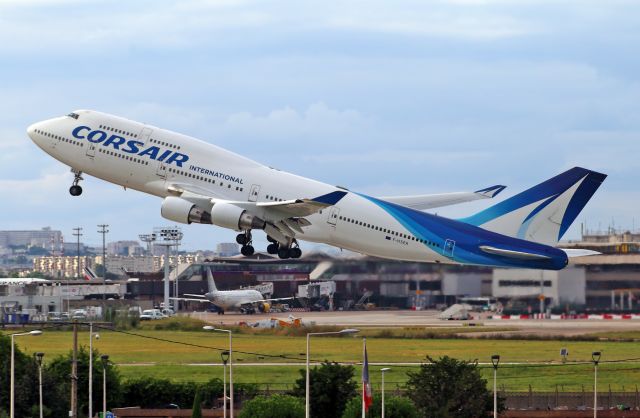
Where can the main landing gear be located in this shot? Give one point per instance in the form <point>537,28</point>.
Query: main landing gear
<point>75,189</point>
<point>245,239</point>
<point>291,251</point>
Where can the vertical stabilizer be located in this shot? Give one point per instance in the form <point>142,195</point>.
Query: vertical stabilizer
<point>211,284</point>
<point>544,212</point>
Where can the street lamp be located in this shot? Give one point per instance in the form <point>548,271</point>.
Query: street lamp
<point>39,357</point>
<point>225,358</point>
<point>595,357</point>
<point>105,363</point>
<point>384,369</point>
<point>210,328</point>
<point>495,360</point>
<point>34,333</point>
<point>307,393</point>
<point>91,337</point>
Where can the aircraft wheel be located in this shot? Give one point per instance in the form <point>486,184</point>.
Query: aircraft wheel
<point>295,252</point>
<point>75,190</point>
<point>247,250</point>
<point>272,248</point>
<point>270,239</point>
<point>241,239</point>
<point>283,253</point>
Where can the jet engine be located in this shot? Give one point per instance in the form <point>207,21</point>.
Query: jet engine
<point>180,210</point>
<point>230,216</point>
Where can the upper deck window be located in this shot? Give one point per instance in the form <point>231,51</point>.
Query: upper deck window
<point>73,115</point>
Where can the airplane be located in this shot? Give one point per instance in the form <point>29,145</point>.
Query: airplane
<point>244,300</point>
<point>202,183</point>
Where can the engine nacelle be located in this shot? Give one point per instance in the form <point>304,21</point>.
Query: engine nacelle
<point>180,210</point>
<point>233,217</point>
<point>264,307</point>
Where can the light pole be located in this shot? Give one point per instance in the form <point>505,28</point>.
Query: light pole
<point>595,357</point>
<point>105,362</point>
<point>13,392</point>
<point>495,359</point>
<point>307,393</point>
<point>39,357</point>
<point>225,358</point>
<point>384,369</point>
<point>91,337</point>
<point>210,328</point>
<point>103,230</point>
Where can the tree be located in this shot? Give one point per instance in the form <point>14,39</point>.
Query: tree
<point>394,407</point>
<point>450,388</point>
<point>196,410</point>
<point>276,406</point>
<point>59,370</point>
<point>331,387</point>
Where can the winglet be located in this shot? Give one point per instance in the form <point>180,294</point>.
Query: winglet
<point>491,191</point>
<point>330,198</point>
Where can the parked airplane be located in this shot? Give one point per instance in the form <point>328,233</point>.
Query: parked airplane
<point>244,300</point>
<point>202,183</point>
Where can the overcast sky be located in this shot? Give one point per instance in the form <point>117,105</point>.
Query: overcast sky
<point>384,97</point>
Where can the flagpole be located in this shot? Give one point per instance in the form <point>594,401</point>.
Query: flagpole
<point>364,389</point>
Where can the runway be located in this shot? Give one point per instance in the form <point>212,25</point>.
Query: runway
<point>429,319</point>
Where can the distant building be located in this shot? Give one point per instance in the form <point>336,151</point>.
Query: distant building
<point>44,238</point>
<point>60,267</point>
<point>227,249</point>
<point>126,248</point>
<point>567,286</point>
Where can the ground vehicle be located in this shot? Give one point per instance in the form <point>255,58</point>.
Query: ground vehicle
<point>79,314</point>
<point>150,314</point>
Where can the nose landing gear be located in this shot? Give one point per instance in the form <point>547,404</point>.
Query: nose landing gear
<point>75,189</point>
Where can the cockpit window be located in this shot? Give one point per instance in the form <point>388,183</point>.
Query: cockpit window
<point>73,115</point>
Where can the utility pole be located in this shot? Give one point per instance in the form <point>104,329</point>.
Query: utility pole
<point>103,230</point>
<point>77,232</point>
<point>73,412</point>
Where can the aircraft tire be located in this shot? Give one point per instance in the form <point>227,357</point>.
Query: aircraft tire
<point>75,190</point>
<point>272,248</point>
<point>295,253</point>
<point>283,253</point>
<point>247,250</point>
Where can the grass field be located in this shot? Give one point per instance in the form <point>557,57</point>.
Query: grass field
<point>147,354</point>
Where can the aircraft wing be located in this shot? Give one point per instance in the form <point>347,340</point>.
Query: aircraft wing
<point>192,300</point>
<point>430,201</point>
<point>271,300</point>
<point>284,219</point>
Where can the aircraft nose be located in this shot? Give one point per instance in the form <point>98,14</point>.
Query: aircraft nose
<point>31,130</point>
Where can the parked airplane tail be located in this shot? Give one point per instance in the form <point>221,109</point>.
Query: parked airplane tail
<point>544,212</point>
<point>211,284</point>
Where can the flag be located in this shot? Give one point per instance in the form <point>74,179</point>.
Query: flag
<point>367,396</point>
<point>89,274</point>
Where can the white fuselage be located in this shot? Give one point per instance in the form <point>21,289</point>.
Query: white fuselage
<point>234,299</point>
<point>153,160</point>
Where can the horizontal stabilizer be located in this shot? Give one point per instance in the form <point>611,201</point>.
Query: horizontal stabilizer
<point>578,252</point>
<point>520,255</point>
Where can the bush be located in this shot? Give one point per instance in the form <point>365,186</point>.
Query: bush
<point>331,387</point>
<point>450,388</point>
<point>276,406</point>
<point>394,407</point>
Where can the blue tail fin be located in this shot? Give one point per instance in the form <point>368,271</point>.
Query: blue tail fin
<point>544,212</point>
